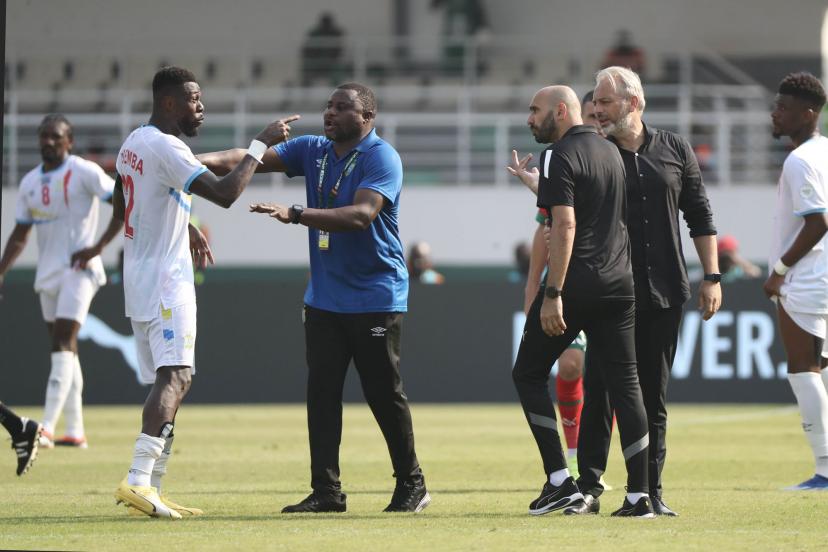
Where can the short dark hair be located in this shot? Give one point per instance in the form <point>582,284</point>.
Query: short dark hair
<point>169,77</point>
<point>804,86</point>
<point>364,94</point>
<point>54,118</point>
<point>587,97</point>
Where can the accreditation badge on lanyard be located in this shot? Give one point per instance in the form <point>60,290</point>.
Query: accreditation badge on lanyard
<point>325,236</point>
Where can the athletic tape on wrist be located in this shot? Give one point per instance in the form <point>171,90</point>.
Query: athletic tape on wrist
<point>256,150</point>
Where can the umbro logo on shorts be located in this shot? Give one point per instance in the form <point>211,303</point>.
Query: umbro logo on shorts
<point>378,331</point>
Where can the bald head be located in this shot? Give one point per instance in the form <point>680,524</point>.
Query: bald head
<point>553,111</point>
<point>560,94</point>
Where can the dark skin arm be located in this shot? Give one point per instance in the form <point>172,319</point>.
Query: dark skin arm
<point>222,162</point>
<point>82,257</point>
<point>14,247</point>
<point>350,218</point>
<point>225,190</point>
<point>816,225</point>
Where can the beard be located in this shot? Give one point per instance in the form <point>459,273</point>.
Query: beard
<point>190,130</point>
<point>547,132</point>
<point>622,125</point>
<point>342,133</point>
<point>189,127</point>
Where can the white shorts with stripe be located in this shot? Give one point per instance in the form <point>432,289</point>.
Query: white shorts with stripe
<point>168,340</point>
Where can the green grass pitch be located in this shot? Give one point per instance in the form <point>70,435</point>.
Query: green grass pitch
<point>242,464</point>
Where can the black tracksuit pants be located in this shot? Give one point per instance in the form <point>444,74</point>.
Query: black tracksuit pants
<point>610,328</point>
<point>656,337</point>
<point>372,341</point>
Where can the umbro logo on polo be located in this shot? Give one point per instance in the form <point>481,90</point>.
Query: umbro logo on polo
<point>378,331</point>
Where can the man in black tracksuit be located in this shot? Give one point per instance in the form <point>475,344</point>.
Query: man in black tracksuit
<point>589,287</point>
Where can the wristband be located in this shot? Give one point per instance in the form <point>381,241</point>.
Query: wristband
<point>256,150</point>
<point>781,268</point>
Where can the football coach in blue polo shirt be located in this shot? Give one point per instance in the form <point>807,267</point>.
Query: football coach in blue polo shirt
<point>358,287</point>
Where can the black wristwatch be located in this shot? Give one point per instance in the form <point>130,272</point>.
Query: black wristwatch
<point>295,213</point>
<point>714,277</point>
<point>552,292</point>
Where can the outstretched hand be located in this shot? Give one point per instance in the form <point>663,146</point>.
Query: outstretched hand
<point>279,212</point>
<point>518,168</point>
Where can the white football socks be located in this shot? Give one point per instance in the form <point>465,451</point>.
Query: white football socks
<point>813,408</point>
<point>73,409</point>
<point>57,390</point>
<point>633,498</point>
<point>558,477</point>
<point>147,451</point>
<point>160,467</point>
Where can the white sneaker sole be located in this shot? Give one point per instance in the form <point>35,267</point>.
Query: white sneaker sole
<point>423,503</point>
<point>560,504</point>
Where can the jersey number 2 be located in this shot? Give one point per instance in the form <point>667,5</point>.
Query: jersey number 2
<point>129,191</point>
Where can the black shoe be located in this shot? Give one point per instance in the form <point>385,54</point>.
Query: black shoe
<point>640,509</point>
<point>660,508</point>
<point>318,502</point>
<point>554,498</point>
<point>25,445</point>
<point>588,505</point>
<point>410,495</point>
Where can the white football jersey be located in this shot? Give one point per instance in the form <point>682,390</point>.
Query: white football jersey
<point>803,190</point>
<point>156,171</point>
<point>63,205</point>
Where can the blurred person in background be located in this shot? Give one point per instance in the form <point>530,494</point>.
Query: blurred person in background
<point>61,197</point>
<point>732,265</point>
<point>662,178</point>
<point>522,258</point>
<point>421,266</point>
<point>322,51</point>
<point>798,260</point>
<point>624,53</point>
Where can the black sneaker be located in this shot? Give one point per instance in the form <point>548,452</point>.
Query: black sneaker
<point>554,498</point>
<point>409,496</point>
<point>317,503</point>
<point>588,505</point>
<point>640,509</point>
<point>25,445</point>
<point>660,508</point>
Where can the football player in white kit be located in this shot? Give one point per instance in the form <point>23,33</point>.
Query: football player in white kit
<point>61,197</point>
<point>798,280</point>
<point>157,172</point>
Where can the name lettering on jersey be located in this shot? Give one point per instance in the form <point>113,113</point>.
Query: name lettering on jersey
<point>131,160</point>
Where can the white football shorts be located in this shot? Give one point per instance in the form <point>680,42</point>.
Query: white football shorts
<point>168,340</point>
<point>71,298</point>
<point>814,323</point>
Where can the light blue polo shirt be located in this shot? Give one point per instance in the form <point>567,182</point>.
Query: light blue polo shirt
<point>362,271</point>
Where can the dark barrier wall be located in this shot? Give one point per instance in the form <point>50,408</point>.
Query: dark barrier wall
<point>458,343</point>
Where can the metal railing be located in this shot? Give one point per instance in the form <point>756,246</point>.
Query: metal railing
<point>445,134</point>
